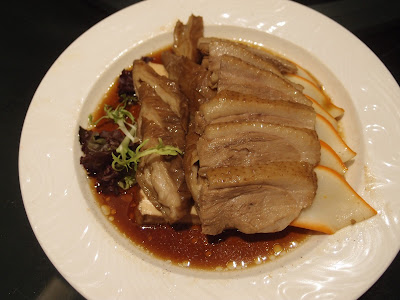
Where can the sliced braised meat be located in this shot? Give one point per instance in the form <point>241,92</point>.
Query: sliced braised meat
<point>262,198</point>
<point>250,150</point>
<point>219,48</point>
<point>193,79</point>
<point>243,52</point>
<point>236,75</point>
<point>228,106</point>
<point>163,182</point>
<point>163,87</point>
<point>186,38</point>
<point>146,214</point>
<point>157,120</point>
<point>161,177</point>
<point>261,118</point>
<point>250,143</point>
<point>283,65</point>
<point>191,162</point>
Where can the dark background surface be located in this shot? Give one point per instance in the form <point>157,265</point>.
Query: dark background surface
<point>34,34</point>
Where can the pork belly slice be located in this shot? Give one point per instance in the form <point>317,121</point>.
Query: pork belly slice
<point>186,38</point>
<point>253,199</point>
<point>195,82</point>
<point>250,143</point>
<point>236,75</point>
<point>229,106</point>
<point>163,182</point>
<point>283,65</point>
<point>219,48</point>
<point>147,214</point>
<point>223,47</point>
<point>191,162</point>
<point>193,79</point>
<point>157,120</point>
<point>162,177</point>
<point>165,88</point>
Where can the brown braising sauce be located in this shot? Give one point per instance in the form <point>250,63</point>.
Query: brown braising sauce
<point>185,245</point>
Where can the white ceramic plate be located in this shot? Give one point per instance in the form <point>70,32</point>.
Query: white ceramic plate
<point>101,264</point>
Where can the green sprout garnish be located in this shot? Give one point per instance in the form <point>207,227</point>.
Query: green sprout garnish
<point>127,182</point>
<point>126,158</point>
<point>129,159</point>
<point>128,98</point>
<point>119,116</point>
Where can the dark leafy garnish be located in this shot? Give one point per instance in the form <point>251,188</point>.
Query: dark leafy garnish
<point>113,157</point>
<point>119,115</point>
<point>147,59</point>
<point>97,159</point>
<point>128,98</point>
<point>126,90</point>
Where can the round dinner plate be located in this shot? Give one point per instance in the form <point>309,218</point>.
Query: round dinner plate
<point>102,264</point>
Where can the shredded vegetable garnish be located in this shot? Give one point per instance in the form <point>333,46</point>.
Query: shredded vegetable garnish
<point>120,116</point>
<point>127,157</point>
<point>130,99</point>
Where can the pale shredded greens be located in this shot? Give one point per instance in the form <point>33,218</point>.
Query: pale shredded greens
<point>127,158</point>
<point>119,116</point>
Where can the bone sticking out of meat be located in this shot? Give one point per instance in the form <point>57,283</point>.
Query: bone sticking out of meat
<point>283,65</point>
<point>186,38</point>
<point>161,177</point>
<point>236,75</point>
<point>262,198</point>
<point>228,106</point>
<point>193,79</point>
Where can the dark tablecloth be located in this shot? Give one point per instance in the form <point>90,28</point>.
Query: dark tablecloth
<point>34,35</point>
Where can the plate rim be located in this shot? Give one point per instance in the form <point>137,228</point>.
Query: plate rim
<point>101,26</point>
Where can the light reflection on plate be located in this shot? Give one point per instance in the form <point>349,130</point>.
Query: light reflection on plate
<point>101,264</point>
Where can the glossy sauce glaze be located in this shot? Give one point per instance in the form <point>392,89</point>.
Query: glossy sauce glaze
<point>185,245</point>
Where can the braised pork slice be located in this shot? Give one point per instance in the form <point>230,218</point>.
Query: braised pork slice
<point>229,106</point>
<point>193,79</point>
<point>221,47</point>
<point>262,198</point>
<point>191,162</point>
<point>195,82</point>
<point>186,38</point>
<point>165,88</point>
<point>251,143</point>
<point>283,65</point>
<point>236,75</point>
<point>161,177</point>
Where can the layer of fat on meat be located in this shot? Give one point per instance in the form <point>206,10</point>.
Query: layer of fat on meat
<point>336,204</point>
<point>159,68</point>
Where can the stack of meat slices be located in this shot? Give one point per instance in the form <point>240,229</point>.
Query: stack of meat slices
<point>257,144</point>
<point>164,115</point>
<point>252,141</point>
<point>256,160</point>
<point>252,146</point>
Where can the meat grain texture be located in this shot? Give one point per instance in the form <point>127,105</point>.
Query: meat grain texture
<point>250,142</point>
<point>163,115</point>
